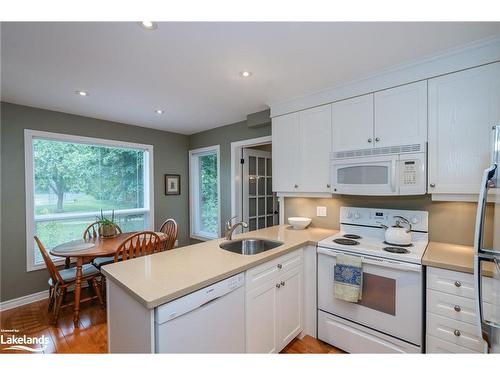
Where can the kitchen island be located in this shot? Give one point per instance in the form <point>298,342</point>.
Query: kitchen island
<point>137,287</point>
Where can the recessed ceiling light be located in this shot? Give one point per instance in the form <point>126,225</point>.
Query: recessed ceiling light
<point>82,93</point>
<point>150,25</point>
<point>245,74</point>
<point>159,111</point>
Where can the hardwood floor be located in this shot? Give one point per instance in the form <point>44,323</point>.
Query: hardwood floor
<point>34,320</point>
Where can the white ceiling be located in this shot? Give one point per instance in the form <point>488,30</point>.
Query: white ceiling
<point>191,70</point>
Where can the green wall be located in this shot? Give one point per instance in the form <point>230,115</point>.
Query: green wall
<point>170,156</point>
<point>223,136</point>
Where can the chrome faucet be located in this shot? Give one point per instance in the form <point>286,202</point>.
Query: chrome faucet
<point>231,228</point>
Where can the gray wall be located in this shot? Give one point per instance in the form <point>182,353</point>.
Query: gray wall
<point>223,136</point>
<point>170,156</point>
<point>451,222</point>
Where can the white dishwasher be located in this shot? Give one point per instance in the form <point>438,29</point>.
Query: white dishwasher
<point>210,320</point>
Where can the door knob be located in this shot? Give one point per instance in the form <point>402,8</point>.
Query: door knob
<point>280,266</point>
<point>296,186</point>
<point>458,284</point>
<point>432,185</point>
<point>328,185</point>
<point>282,283</point>
<point>369,140</point>
<point>457,332</point>
<point>377,139</point>
<point>278,286</point>
<point>457,308</point>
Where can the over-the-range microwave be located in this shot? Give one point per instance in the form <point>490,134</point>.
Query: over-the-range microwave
<point>394,170</point>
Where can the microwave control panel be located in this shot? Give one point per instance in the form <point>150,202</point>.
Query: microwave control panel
<point>412,174</point>
<point>409,172</point>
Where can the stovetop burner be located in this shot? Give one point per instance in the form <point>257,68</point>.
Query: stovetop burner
<point>345,241</point>
<point>352,236</point>
<point>397,250</point>
<point>398,245</point>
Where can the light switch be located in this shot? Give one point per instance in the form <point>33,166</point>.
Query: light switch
<point>320,211</point>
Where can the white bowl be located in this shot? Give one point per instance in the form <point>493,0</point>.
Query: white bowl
<point>299,222</point>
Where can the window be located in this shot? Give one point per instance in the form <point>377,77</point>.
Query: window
<point>70,179</point>
<point>204,185</point>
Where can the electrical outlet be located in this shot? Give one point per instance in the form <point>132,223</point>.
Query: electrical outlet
<point>320,211</point>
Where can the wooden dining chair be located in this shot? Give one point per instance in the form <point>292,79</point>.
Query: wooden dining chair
<point>60,281</point>
<point>171,229</point>
<point>138,245</point>
<point>92,232</point>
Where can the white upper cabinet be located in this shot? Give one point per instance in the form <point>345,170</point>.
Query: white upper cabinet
<point>463,107</point>
<point>285,152</point>
<point>352,121</point>
<point>301,151</point>
<point>316,145</point>
<point>401,115</point>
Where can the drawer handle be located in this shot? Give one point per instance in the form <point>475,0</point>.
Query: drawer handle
<point>457,333</point>
<point>280,266</point>
<point>278,286</point>
<point>458,284</point>
<point>282,283</point>
<point>457,308</point>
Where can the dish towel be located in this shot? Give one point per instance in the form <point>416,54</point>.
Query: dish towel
<point>348,278</point>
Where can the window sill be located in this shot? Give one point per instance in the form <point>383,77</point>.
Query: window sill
<point>202,238</point>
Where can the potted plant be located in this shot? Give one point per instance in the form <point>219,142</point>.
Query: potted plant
<point>107,226</point>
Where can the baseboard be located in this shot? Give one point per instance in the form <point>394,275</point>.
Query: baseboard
<point>25,300</point>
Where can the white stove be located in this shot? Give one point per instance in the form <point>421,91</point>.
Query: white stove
<point>392,284</point>
<point>361,233</point>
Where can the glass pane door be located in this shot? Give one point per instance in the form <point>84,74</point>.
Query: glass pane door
<point>259,201</point>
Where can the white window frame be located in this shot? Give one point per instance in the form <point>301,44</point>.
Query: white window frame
<point>193,206</point>
<point>29,136</point>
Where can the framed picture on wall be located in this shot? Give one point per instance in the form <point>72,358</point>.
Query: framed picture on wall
<point>172,184</point>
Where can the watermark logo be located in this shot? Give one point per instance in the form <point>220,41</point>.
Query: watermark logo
<point>22,342</point>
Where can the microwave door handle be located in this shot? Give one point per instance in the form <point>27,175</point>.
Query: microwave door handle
<point>487,176</point>
<point>393,174</point>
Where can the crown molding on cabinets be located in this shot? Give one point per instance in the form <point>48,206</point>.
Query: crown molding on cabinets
<point>470,55</point>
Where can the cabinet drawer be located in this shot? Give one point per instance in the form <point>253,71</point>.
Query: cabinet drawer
<point>435,345</point>
<point>445,329</point>
<point>272,269</point>
<point>457,283</point>
<point>451,306</point>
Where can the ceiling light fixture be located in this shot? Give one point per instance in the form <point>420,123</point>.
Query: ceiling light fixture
<point>160,111</point>
<point>245,74</point>
<point>149,25</point>
<point>81,93</point>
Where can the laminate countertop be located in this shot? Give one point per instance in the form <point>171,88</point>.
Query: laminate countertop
<point>162,277</point>
<point>449,256</point>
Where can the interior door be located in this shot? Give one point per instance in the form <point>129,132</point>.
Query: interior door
<point>316,142</point>
<point>401,115</point>
<point>259,202</point>
<point>352,123</point>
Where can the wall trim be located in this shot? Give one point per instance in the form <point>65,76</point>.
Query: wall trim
<point>25,300</point>
<point>484,51</point>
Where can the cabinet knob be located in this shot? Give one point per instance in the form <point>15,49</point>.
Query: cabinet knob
<point>328,185</point>
<point>432,185</point>
<point>370,140</point>
<point>377,139</point>
<point>458,284</point>
<point>282,283</point>
<point>278,286</point>
<point>296,186</point>
<point>457,308</point>
<point>280,266</point>
<point>457,333</point>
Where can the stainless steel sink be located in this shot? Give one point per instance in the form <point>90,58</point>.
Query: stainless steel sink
<point>249,246</point>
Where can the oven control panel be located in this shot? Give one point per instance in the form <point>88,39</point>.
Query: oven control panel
<point>374,217</point>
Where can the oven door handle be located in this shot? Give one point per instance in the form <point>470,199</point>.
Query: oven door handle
<point>375,261</point>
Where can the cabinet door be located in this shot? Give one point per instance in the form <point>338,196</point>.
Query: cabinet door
<point>290,317</point>
<point>463,107</point>
<point>316,145</point>
<point>261,315</point>
<point>352,123</point>
<point>286,150</point>
<point>401,115</point>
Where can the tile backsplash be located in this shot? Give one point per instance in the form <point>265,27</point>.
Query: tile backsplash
<point>451,222</point>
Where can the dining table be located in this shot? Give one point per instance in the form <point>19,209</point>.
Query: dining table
<point>86,250</point>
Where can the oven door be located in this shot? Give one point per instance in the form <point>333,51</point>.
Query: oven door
<point>365,176</point>
<point>391,296</point>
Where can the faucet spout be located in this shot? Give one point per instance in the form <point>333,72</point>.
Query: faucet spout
<point>232,228</point>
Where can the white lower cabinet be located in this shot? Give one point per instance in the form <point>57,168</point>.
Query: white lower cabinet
<point>451,318</point>
<point>274,308</point>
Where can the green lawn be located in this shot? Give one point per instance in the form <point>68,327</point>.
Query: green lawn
<point>77,203</point>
